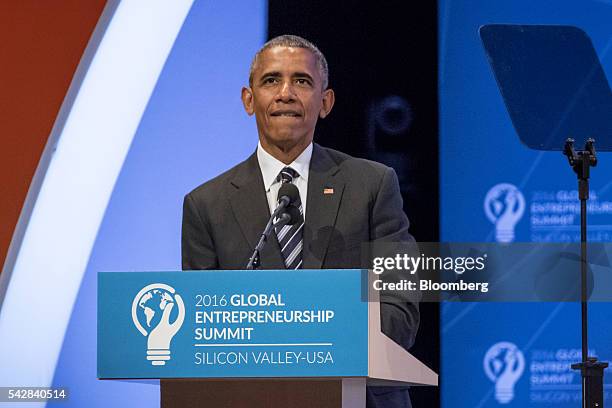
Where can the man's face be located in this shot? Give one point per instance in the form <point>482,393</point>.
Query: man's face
<point>286,97</point>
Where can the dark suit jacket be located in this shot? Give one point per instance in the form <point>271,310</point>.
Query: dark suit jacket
<point>224,218</point>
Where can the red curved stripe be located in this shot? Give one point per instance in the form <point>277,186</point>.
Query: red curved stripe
<point>42,43</point>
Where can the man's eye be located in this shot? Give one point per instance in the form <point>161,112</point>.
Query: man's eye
<point>270,80</point>
<point>302,81</point>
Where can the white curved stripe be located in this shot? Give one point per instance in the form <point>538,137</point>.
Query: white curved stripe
<point>78,183</point>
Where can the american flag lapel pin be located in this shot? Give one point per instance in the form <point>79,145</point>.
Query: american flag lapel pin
<point>328,190</point>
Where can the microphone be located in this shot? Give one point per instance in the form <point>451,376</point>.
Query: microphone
<point>287,195</point>
<point>289,216</point>
<point>286,213</point>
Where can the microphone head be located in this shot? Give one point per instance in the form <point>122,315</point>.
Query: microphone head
<point>293,213</point>
<point>289,216</point>
<point>290,191</point>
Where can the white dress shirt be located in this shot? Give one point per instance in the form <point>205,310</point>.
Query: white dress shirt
<point>271,168</point>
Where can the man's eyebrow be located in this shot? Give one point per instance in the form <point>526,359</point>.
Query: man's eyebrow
<point>271,74</point>
<point>302,75</point>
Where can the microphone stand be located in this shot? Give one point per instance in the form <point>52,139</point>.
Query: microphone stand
<point>592,370</point>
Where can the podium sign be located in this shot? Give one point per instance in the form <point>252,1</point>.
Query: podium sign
<point>225,324</point>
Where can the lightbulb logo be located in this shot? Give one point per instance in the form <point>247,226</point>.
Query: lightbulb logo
<point>151,312</point>
<point>504,206</point>
<point>504,364</point>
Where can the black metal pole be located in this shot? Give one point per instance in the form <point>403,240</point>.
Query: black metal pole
<point>592,370</point>
<point>583,268</point>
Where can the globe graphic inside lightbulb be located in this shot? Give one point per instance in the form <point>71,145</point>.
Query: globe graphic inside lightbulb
<point>504,364</point>
<point>504,206</point>
<point>158,313</point>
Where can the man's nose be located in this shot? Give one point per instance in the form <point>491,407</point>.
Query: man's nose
<point>286,92</point>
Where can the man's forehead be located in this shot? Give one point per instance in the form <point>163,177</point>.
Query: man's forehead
<point>283,59</point>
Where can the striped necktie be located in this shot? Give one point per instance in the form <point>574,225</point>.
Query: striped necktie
<point>290,236</point>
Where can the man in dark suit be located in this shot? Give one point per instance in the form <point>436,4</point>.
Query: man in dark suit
<point>344,201</point>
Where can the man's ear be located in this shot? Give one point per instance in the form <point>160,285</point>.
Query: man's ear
<point>328,102</point>
<point>247,100</point>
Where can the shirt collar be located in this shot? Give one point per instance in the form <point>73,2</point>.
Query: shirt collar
<point>271,166</point>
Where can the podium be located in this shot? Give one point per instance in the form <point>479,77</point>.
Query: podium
<point>250,338</point>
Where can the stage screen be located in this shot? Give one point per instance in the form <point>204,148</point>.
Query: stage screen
<point>493,188</point>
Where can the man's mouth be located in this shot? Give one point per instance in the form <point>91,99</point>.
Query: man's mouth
<point>286,113</point>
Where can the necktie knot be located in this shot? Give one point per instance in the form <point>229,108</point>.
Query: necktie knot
<point>287,175</point>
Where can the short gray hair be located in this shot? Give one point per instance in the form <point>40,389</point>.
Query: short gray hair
<point>295,42</point>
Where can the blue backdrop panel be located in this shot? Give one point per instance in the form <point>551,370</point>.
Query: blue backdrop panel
<point>495,189</point>
<point>194,127</point>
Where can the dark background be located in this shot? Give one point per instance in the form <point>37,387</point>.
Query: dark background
<point>383,62</point>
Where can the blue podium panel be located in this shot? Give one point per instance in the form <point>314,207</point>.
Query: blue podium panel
<point>306,323</point>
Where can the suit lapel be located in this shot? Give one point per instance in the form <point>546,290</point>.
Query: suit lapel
<point>248,201</point>
<point>325,188</point>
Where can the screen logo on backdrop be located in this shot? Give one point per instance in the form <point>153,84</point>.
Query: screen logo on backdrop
<point>504,206</point>
<point>151,311</point>
<point>504,364</point>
